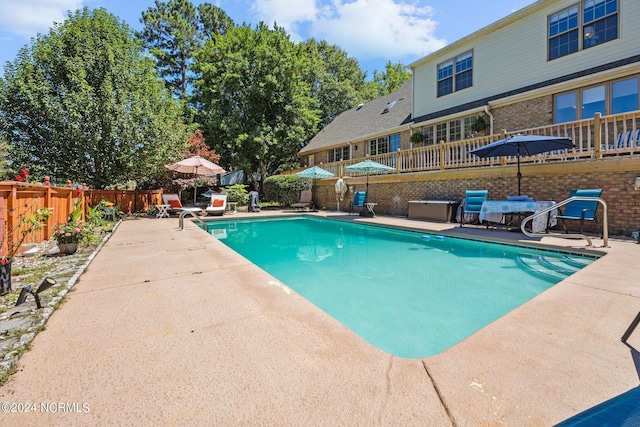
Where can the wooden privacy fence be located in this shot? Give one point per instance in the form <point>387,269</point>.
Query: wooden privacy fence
<point>19,200</point>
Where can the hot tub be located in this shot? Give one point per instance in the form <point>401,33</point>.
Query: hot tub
<point>437,210</point>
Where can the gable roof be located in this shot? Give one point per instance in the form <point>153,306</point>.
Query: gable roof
<point>365,119</point>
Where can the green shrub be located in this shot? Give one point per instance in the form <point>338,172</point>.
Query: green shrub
<point>237,193</point>
<point>285,189</point>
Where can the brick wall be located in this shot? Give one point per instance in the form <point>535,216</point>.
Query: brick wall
<point>524,115</point>
<point>542,182</point>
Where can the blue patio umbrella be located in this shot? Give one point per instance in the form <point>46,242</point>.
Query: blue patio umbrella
<point>523,145</point>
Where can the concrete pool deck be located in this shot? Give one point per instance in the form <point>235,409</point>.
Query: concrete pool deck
<point>171,327</point>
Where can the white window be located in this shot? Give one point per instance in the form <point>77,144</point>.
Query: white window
<point>379,146</point>
<point>596,20</point>
<point>338,154</point>
<point>452,80</point>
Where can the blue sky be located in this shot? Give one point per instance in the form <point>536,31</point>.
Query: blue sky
<point>372,31</point>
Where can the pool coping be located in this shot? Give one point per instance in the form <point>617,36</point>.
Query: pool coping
<point>183,330</point>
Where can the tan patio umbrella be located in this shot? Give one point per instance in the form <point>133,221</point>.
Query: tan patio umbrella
<point>198,166</point>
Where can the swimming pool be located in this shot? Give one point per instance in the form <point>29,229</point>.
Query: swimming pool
<point>410,294</point>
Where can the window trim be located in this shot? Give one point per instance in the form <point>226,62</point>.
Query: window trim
<point>608,97</point>
<point>378,141</point>
<point>454,73</point>
<point>345,154</point>
<point>581,27</point>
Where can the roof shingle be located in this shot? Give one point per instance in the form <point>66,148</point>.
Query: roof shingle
<point>370,118</point>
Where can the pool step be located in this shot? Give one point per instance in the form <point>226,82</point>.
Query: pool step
<point>577,261</point>
<point>548,268</point>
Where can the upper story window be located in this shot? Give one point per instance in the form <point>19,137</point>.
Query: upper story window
<point>452,79</point>
<point>563,33</point>
<point>600,20</point>
<point>599,24</point>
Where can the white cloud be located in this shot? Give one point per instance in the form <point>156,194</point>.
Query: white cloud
<point>285,13</point>
<point>390,29</point>
<point>26,18</point>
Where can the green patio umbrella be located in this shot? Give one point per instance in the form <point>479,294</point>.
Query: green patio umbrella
<point>367,167</point>
<point>314,172</point>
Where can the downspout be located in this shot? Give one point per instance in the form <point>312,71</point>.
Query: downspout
<point>488,113</point>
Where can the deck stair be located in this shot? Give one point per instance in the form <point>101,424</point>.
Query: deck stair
<point>552,268</point>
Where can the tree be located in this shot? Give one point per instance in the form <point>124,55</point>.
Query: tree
<point>84,103</point>
<point>254,105</point>
<point>390,80</point>
<point>198,147</point>
<point>336,81</point>
<point>173,32</point>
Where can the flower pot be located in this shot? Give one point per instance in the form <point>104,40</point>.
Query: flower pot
<point>68,248</point>
<point>5,278</point>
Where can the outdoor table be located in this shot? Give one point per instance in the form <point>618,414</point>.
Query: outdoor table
<point>232,207</point>
<point>370,207</point>
<point>495,210</point>
<point>163,210</point>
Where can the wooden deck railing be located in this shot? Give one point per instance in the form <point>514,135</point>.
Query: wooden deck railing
<point>598,137</point>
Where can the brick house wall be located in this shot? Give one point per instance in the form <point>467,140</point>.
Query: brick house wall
<point>528,114</point>
<point>551,181</point>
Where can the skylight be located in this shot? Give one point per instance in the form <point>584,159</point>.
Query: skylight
<point>390,105</point>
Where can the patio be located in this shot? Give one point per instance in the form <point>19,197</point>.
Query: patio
<point>172,327</point>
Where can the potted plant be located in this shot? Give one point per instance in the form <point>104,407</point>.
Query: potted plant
<point>26,225</point>
<point>417,139</point>
<point>69,234</point>
<point>479,125</point>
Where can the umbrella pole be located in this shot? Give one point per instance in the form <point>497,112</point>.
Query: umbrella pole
<point>519,174</point>
<point>366,196</point>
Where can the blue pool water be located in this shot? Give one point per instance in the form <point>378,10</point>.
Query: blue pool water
<point>410,294</point>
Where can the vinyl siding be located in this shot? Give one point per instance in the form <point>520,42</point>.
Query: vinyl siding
<point>512,56</point>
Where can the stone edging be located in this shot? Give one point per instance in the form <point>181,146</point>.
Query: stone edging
<point>12,357</point>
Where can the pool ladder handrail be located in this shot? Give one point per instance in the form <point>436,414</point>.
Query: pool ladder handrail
<point>184,213</point>
<point>605,227</point>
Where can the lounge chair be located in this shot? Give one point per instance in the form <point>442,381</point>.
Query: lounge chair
<point>473,200</point>
<point>624,139</point>
<point>581,210</point>
<point>358,200</point>
<point>305,200</point>
<point>218,205</point>
<point>175,206</point>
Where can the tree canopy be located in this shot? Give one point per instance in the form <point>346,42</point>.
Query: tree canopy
<point>95,102</point>
<point>85,103</point>
<point>174,31</point>
<point>390,80</point>
<point>335,80</point>
<point>253,102</point>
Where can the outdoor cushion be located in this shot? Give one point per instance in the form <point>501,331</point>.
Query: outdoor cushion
<point>175,204</point>
<point>523,198</point>
<point>218,203</point>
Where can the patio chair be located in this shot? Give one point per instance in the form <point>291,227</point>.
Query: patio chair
<point>175,206</point>
<point>624,139</point>
<point>218,205</point>
<point>305,200</point>
<point>581,210</point>
<point>358,200</point>
<point>472,203</point>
